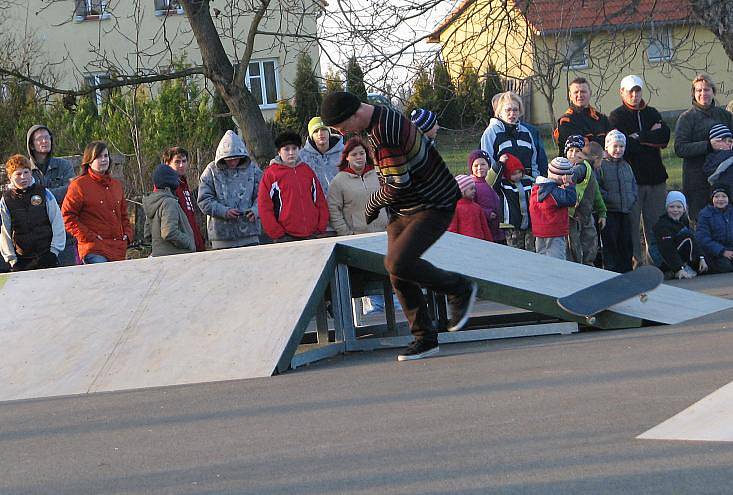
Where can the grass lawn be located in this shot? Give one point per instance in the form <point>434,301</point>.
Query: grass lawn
<point>455,147</point>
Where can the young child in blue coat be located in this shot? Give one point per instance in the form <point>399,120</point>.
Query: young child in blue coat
<point>715,230</point>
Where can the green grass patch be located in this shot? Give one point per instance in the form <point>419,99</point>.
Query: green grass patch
<point>454,147</point>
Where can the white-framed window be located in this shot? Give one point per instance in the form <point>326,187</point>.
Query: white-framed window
<point>660,44</point>
<point>263,81</point>
<point>576,56</point>
<point>91,9</point>
<point>100,95</point>
<point>168,7</point>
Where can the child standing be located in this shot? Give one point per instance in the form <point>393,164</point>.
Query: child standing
<point>486,197</point>
<point>583,238</point>
<point>469,218</point>
<point>513,187</point>
<point>290,199</point>
<point>31,226</point>
<point>549,202</point>
<point>675,250</point>
<point>618,188</point>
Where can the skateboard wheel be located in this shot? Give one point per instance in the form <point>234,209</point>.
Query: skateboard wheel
<point>643,297</point>
<point>591,320</point>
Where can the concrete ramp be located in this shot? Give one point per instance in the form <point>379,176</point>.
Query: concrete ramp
<point>172,320</point>
<point>241,313</point>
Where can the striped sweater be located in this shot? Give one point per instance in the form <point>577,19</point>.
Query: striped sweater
<point>412,174</point>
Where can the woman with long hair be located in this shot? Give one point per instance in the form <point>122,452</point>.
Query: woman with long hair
<point>95,210</point>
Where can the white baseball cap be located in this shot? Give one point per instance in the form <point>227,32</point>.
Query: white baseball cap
<point>629,82</point>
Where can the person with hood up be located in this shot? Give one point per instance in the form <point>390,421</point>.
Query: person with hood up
<point>31,228</point>
<point>54,174</point>
<point>290,198</point>
<point>167,225</point>
<point>228,195</point>
<point>322,152</point>
<point>95,210</point>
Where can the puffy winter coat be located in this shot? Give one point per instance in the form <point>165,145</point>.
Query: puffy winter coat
<point>715,230</point>
<point>167,224</point>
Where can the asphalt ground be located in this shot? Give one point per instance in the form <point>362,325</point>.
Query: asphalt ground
<point>544,415</point>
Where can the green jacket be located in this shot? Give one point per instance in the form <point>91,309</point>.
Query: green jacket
<point>589,183</point>
<point>167,225</point>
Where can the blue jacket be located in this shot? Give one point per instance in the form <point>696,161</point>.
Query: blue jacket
<point>539,145</point>
<point>715,230</point>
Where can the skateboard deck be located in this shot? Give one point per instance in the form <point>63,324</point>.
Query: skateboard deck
<point>592,300</point>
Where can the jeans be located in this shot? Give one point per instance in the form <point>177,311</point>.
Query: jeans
<point>408,237</point>
<point>92,258</point>
<point>553,247</point>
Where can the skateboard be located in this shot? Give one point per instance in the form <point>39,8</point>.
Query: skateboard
<point>590,301</point>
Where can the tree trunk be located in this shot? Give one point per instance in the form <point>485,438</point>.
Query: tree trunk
<point>717,16</point>
<point>220,71</point>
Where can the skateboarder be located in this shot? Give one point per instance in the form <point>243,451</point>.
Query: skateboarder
<point>420,195</point>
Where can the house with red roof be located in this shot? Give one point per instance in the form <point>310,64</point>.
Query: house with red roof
<point>538,46</point>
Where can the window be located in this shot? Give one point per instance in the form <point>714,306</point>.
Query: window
<point>660,45</point>
<point>575,56</point>
<point>168,7</point>
<point>91,9</point>
<point>100,95</point>
<point>263,81</point>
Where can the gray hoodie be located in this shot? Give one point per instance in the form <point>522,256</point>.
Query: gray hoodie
<point>326,165</point>
<point>167,224</point>
<point>59,172</point>
<point>222,188</point>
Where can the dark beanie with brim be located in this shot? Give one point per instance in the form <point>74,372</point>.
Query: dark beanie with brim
<point>165,177</point>
<point>338,107</point>
<point>288,137</point>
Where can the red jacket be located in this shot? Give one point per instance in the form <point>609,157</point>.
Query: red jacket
<point>290,201</point>
<point>469,220</point>
<point>95,213</point>
<point>548,208</point>
<point>186,201</point>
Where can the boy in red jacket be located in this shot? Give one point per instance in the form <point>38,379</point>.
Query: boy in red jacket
<point>548,207</point>
<point>290,200</point>
<point>469,219</point>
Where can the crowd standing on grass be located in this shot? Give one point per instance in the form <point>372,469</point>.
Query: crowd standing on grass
<point>601,201</point>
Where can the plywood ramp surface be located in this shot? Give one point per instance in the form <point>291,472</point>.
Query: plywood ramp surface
<point>172,320</point>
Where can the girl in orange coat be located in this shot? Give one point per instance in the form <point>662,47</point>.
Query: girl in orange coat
<point>95,210</point>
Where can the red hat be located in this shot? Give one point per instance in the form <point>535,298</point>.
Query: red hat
<point>512,165</point>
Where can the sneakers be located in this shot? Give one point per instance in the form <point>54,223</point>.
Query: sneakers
<point>460,307</point>
<point>419,349</point>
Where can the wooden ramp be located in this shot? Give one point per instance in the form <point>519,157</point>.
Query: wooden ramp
<point>241,313</point>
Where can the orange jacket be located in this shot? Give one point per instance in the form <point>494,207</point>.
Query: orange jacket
<point>95,213</point>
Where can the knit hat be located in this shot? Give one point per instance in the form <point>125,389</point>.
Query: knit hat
<point>512,165</point>
<point>719,187</point>
<point>673,196</point>
<point>560,166</point>
<point>615,136</point>
<point>165,177</point>
<point>338,107</point>
<point>423,119</point>
<point>574,141</point>
<point>315,124</point>
<point>288,137</point>
<point>464,181</point>
<point>475,155</point>
<point>720,131</point>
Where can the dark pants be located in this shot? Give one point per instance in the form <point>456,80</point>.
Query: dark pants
<point>696,189</point>
<point>719,264</point>
<point>45,260</point>
<point>408,237</point>
<point>617,246</point>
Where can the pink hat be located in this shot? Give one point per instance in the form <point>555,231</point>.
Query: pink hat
<point>464,181</point>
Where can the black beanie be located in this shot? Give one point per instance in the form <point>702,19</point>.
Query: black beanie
<point>339,106</point>
<point>288,137</point>
<point>164,176</point>
<point>720,187</point>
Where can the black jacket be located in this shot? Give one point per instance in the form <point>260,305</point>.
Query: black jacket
<point>692,142</point>
<point>587,122</point>
<point>643,154</point>
<point>668,235</point>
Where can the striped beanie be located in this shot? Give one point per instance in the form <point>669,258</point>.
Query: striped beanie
<point>423,119</point>
<point>574,141</point>
<point>464,181</point>
<point>615,136</point>
<point>720,131</point>
<point>560,166</point>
